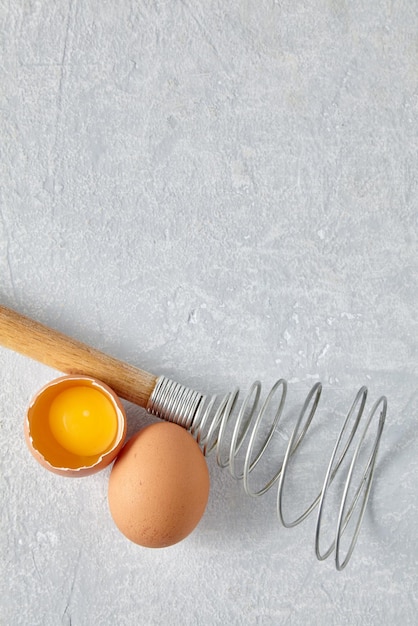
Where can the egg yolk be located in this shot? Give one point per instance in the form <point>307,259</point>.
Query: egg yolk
<point>83,420</point>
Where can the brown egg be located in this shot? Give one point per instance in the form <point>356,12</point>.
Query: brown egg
<point>75,426</point>
<point>159,486</point>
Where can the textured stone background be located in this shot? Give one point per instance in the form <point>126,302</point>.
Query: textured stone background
<point>217,191</point>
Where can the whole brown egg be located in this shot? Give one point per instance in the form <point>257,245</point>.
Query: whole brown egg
<point>159,486</point>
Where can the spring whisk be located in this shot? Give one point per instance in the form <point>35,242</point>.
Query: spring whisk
<point>207,419</point>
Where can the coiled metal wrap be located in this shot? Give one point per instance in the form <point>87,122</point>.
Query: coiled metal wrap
<point>174,402</point>
<point>216,425</point>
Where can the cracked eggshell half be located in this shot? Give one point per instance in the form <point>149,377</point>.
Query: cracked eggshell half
<point>49,452</point>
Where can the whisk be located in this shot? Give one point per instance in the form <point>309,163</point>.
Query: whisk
<point>219,425</point>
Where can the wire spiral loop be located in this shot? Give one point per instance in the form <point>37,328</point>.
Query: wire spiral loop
<point>217,426</point>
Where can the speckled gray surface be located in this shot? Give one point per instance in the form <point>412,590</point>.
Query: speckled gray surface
<point>217,191</point>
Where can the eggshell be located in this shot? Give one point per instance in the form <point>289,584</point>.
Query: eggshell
<point>159,486</point>
<point>47,451</point>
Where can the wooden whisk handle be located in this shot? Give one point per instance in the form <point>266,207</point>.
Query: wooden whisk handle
<point>68,355</point>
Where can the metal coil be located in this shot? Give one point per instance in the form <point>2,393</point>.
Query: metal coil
<point>174,402</point>
<point>208,421</point>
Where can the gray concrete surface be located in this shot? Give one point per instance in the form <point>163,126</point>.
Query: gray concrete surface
<point>220,192</point>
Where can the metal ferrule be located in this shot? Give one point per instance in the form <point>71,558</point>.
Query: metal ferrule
<point>174,402</point>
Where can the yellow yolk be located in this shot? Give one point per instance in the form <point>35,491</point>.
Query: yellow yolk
<point>83,420</point>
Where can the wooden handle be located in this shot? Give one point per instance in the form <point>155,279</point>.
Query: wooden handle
<point>52,348</point>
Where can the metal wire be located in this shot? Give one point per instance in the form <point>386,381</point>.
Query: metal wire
<point>174,402</point>
<point>208,421</point>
